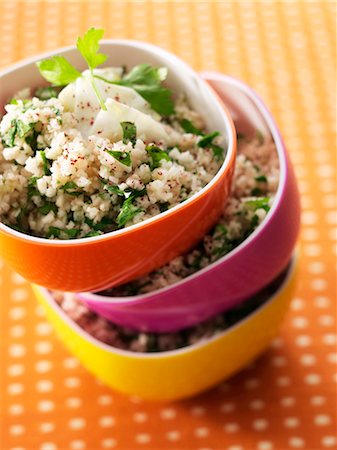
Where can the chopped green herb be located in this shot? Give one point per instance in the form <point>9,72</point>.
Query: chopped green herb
<point>93,233</point>
<point>45,163</point>
<point>47,207</point>
<point>207,141</point>
<point>57,232</point>
<point>163,206</point>
<point>58,71</point>
<point>23,128</point>
<point>260,203</point>
<point>123,157</point>
<point>256,192</point>
<point>45,93</point>
<point>156,155</point>
<point>127,212</point>
<point>129,132</point>
<point>261,179</point>
<point>68,188</point>
<point>9,138</point>
<point>188,127</point>
<point>32,187</point>
<point>115,190</point>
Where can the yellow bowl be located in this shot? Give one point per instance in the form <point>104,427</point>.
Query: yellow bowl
<point>182,373</point>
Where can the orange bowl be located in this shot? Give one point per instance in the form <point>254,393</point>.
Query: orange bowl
<point>91,264</point>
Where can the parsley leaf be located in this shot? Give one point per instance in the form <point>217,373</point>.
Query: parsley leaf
<point>58,71</point>
<point>63,232</point>
<point>129,132</point>
<point>146,80</point>
<point>127,212</point>
<point>69,189</point>
<point>207,141</point>
<point>88,45</point>
<point>122,157</point>
<point>47,207</point>
<point>9,138</point>
<point>45,163</point>
<point>156,155</point>
<point>260,203</point>
<point>115,190</point>
<point>32,187</point>
<point>188,127</point>
<point>261,179</point>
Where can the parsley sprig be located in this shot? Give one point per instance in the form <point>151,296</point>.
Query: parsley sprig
<point>143,78</point>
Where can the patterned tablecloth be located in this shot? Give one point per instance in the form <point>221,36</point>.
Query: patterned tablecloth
<point>287,398</point>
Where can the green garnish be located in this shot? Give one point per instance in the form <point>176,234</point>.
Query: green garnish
<point>57,232</point>
<point>256,192</point>
<point>123,157</point>
<point>207,141</point>
<point>69,189</point>
<point>47,207</point>
<point>156,155</point>
<point>58,71</point>
<point>129,132</point>
<point>188,127</point>
<point>260,203</point>
<point>93,233</point>
<point>88,45</point>
<point>32,187</point>
<point>23,128</point>
<point>127,212</point>
<point>261,179</point>
<point>115,190</point>
<point>9,138</point>
<point>45,93</point>
<point>45,163</point>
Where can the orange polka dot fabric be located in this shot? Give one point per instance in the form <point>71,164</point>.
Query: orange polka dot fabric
<point>286,399</point>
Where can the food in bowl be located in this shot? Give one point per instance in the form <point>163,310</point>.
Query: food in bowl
<point>109,150</point>
<point>254,185</point>
<point>137,341</point>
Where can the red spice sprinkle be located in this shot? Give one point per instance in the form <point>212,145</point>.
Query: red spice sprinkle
<point>117,98</point>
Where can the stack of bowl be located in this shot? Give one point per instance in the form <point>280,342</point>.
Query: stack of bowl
<point>263,264</point>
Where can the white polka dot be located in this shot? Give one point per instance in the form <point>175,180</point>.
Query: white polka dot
<point>252,383</point>
<point>277,343</point>
<point>43,347</point>
<point>332,358</point>
<point>108,443</point>
<point>291,422</point>
<point>17,313</point>
<point>17,331</point>
<point>143,438</point>
<point>43,366</point>
<point>15,370</point>
<point>331,217</point>
<point>72,382</point>
<point>322,302</point>
<point>283,381</point>
<point>44,386</point>
<point>16,430</point>
<point>201,432</point>
<point>309,218</point>
<point>317,400</point>
<point>168,413</point>
<point>303,340</point>
<point>279,361</point>
<point>288,401</point>
<point>257,405</point>
<point>329,339</point>
<point>312,379</point>
<point>173,435</point>
<point>260,424</point>
<point>296,442</point>
<point>300,322</point>
<point>43,329</point>
<point>106,421</point>
<point>104,400</point>
<point>77,445</point>
<point>140,417</point>
<point>73,402</point>
<point>329,441</point>
<point>322,420</point>
<point>17,350</point>
<point>135,399</point>
<point>77,423</point>
<point>312,250</point>
<point>326,321</point>
<point>231,427</point>
<point>16,409</point>
<point>227,407</point>
<point>19,294</point>
<point>198,411</point>
<point>71,363</point>
<point>297,304</point>
<point>235,447</point>
<point>15,389</point>
<point>48,446</point>
<point>17,279</point>
<point>46,427</point>
<point>265,445</point>
<point>307,359</point>
<point>45,406</point>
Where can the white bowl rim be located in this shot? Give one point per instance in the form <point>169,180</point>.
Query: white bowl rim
<point>281,152</point>
<point>291,269</point>
<point>231,147</point>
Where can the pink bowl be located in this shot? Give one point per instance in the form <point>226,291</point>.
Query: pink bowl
<point>242,272</point>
